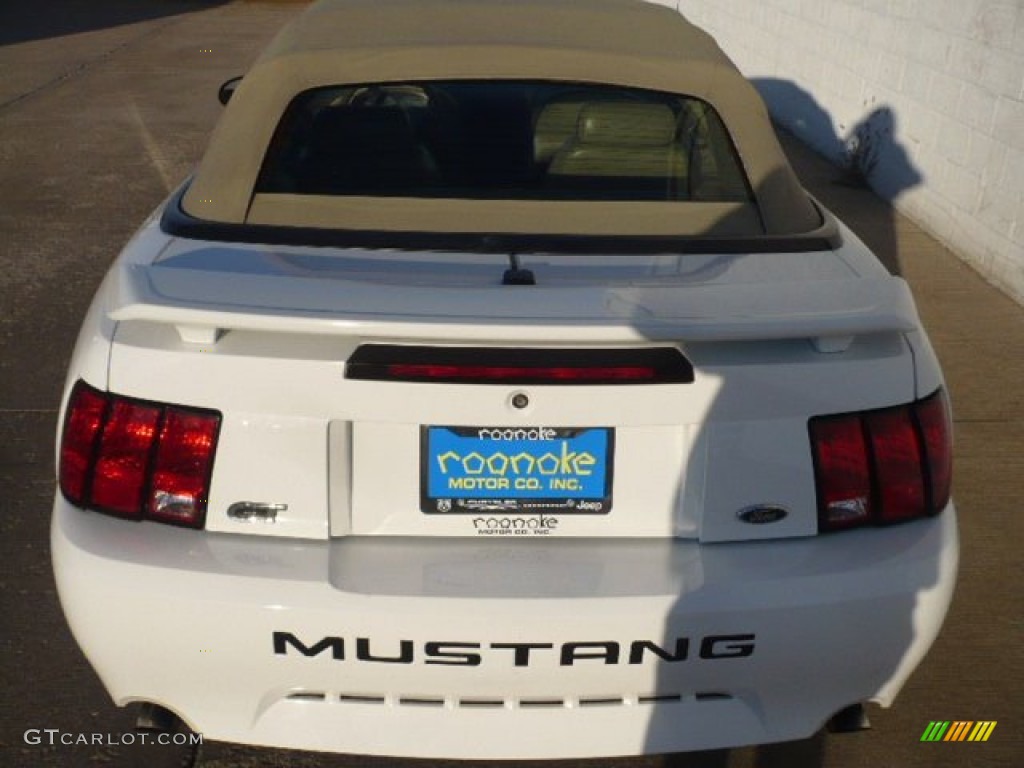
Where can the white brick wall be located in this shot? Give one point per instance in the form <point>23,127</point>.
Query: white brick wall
<point>949,75</point>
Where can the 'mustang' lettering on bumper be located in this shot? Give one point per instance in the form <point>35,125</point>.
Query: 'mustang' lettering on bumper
<point>459,654</point>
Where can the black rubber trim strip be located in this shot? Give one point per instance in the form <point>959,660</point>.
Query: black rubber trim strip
<point>175,221</point>
<point>370,363</point>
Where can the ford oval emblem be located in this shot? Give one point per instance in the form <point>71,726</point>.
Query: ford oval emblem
<point>760,514</point>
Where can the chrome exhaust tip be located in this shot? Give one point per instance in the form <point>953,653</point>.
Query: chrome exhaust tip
<point>849,720</point>
<point>153,717</point>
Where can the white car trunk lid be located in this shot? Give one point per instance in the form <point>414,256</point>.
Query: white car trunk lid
<point>263,335</point>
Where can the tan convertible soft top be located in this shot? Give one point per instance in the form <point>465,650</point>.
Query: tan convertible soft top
<point>621,42</point>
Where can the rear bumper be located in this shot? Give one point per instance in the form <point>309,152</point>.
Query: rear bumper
<point>461,649</point>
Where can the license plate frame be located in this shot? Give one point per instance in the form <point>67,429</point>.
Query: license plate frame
<point>516,470</point>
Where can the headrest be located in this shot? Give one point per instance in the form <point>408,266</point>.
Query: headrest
<point>626,124</point>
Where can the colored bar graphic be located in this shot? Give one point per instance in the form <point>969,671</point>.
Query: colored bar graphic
<point>982,731</point>
<point>935,731</point>
<point>958,730</point>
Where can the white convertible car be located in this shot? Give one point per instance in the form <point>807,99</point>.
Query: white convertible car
<point>494,390</point>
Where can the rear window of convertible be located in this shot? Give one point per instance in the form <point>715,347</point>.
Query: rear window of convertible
<point>504,140</point>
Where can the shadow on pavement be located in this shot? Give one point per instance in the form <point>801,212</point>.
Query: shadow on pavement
<point>24,20</point>
<point>808,753</point>
<point>860,172</point>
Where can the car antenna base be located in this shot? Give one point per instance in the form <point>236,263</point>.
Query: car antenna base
<point>516,275</point>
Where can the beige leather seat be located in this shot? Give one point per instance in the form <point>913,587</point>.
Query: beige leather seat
<point>555,125</point>
<point>627,149</point>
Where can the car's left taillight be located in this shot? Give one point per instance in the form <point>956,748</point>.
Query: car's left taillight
<point>137,459</point>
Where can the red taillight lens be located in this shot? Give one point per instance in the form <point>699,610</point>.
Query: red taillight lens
<point>881,467</point>
<point>501,365</point>
<point>137,459</point>
<point>122,465</point>
<point>841,465</point>
<point>937,431</point>
<point>85,416</point>
<point>516,374</point>
<point>181,475</point>
<point>898,465</point>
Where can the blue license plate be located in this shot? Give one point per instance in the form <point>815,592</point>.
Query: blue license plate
<point>563,470</point>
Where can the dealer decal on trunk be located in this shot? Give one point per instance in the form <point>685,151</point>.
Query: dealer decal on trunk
<point>540,470</point>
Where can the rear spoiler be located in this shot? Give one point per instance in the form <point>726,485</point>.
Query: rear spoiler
<point>203,304</point>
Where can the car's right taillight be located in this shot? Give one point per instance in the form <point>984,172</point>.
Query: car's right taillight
<point>882,466</point>
<point>136,458</point>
